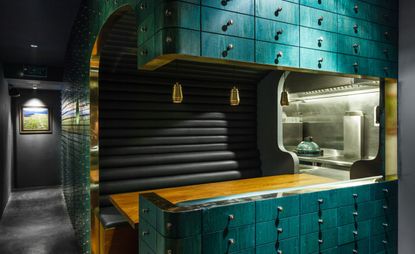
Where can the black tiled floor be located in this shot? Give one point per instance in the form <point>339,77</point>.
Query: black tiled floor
<point>37,222</point>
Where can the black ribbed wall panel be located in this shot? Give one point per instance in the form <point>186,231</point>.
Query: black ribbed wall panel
<point>147,142</point>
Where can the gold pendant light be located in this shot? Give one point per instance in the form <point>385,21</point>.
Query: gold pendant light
<point>234,99</point>
<point>284,99</point>
<point>177,95</point>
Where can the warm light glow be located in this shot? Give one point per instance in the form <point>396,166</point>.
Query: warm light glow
<point>34,46</point>
<point>234,99</point>
<point>177,95</point>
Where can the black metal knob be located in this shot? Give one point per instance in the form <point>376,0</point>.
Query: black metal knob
<point>279,251</point>
<point>355,251</point>
<point>143,6</point>
<point>385,190</point>
<point>279,32</point>
<point>277,12</point>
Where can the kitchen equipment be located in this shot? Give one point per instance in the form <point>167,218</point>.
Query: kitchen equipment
<point>308,148</point>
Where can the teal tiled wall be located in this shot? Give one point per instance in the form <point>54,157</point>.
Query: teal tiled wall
<point>91,17</point>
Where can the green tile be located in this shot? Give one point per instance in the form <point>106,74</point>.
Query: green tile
<point>275,230</point>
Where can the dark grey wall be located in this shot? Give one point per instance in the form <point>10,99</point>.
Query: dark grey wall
<point>406,88</point>
<point>37,156</point>
<point>6,143</point>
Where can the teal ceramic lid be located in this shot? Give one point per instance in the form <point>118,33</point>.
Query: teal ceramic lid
<point>308,148</point>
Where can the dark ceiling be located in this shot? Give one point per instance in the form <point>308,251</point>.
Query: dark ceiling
<point>46,23</point>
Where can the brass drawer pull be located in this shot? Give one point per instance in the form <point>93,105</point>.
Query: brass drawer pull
<point>230,22</point>
<point>280,230</point>
<point>229,47</point>
<point>355,214</point>
<point>280,209</point>
<point>231,217</point>
<point>355,195</point>
<point>279,251</point>
<point>231,241</point>
<point>355,233</point>
<point>320,241</point>
<point>320,221</point>
<point>280,54</point>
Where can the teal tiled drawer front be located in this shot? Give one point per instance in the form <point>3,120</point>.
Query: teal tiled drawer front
<point>230,216</point>
<point>227,23</point>
<point>360,219</point>
<point>356,37</point>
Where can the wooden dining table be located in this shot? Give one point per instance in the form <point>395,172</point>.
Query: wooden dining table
<point>128,205</point>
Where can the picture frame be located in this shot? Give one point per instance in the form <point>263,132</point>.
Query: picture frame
<point>35,120</point>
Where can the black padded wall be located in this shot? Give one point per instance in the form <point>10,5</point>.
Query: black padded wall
<point>147,142</point>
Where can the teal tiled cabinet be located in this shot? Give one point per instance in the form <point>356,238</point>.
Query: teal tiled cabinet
<point>344,36</point>
<point>352,220</point>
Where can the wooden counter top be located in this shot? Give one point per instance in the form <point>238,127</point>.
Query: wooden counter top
<point>127,203</point>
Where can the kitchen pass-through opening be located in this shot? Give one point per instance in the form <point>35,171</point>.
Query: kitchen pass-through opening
<point>331,122</point>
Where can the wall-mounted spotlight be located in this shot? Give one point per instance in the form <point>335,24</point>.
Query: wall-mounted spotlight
<point>34,87</point>
<point>234,99</point>
<point>177,95</point>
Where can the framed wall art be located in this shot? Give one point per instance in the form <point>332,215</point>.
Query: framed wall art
<point>35,120</point>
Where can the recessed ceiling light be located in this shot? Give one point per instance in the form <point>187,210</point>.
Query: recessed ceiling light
<point>34,45</point>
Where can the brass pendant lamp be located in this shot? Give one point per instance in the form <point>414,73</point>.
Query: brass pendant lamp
<point>177,94</point>
<point>234,98</point>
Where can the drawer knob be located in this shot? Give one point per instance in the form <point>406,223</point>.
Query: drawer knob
<point>320,241</point>
<point>277,12</point>
<point>320,60</point>
<point>355,195</point>
<point>280,230</point>
<point>143,29</point>
<point>356,28</point>
<point>385,207</point>
<point>386,34</point>
<point>386,69</point>
<point>356,8</point>
<point>230,22</point>
<point>280,209</point>
<point>356,48</point>
<point>279,54</point>
<point>385,52</point>
<point>320,20</point>
<point>385,225</point>
<point>229,47</point>
<point>355,214</point>
<point>355,251</point>
<point>144,52</point>
<point>145,210</point>
<point>231,217</point>
<point>169,39</point>
<point>356,67</point>
<point>385,190</point>
<point>320,41</point>
<point>319,1</point>
<point>231,241</point>
<point>385,242</point>
<point>279,252</point>
<point>143,6</point>
<point>278,34</point>
<point>169,226</point>
<point>225,2</point>
<point>355,233</point>
<point>320,221</point>
<point>145,233</point>
<point>167,13</point>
